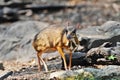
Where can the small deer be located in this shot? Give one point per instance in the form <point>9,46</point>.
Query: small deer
<point>55,38</point>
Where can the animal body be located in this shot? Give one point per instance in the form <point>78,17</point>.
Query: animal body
<point>55,38</point>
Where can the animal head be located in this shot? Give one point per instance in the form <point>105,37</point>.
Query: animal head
<point>72,37</point>
<point>70,33</point>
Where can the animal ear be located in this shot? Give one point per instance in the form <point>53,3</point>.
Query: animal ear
<point>77,26</point>
<point>65,31</point>
<point>68,24</point>
<point>74,30</point>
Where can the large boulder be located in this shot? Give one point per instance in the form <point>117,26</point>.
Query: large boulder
<point>109,72</point>
<point>16,40</point>
<point>106,73</point>
<point>97,35</point>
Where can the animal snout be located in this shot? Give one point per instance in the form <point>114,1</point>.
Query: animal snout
<point>69,37</point>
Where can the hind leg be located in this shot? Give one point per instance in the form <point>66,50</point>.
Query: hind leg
<point>45,66</point>
<point>39,63</point>
<point>41,60</point>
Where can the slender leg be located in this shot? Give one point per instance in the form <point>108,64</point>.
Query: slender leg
<point>41,60</point>
<point>45,66</point>
<point>39,64</point>
<point>63,56</point>
<point>70,60</point>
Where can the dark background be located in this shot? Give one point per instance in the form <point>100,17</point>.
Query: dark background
<point>85,12</point>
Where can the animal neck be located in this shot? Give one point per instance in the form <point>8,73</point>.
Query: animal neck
<point>65,41</point>
<point>73,44</point>
<point>76,41</point>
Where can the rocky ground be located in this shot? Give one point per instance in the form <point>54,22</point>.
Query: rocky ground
<point>21,20</point>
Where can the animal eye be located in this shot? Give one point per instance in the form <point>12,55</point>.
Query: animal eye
<point>72,34</point>
<point>66,31</point>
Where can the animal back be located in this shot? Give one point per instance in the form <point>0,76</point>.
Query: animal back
<point>48,38</point>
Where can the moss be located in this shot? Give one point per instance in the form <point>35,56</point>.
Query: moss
<point>82,76</point>
<point>111,57</point>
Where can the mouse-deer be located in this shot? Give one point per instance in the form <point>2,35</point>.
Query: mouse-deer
<point>55,38</point>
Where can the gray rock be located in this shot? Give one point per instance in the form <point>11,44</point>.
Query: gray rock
<point>16,40</point>
<point>107,73</point>
<point>65,74</point>
<point>78,58</point>
<point>5,74</point>
<point>108,32</point>
<point>2,2</point>
<point>1,66</point>
<point>9,12</point>
<point>110,70</point>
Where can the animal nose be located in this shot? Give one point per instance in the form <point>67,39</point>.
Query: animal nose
<point>69,37</point>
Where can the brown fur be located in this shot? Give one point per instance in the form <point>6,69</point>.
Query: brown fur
<point>51,39</point>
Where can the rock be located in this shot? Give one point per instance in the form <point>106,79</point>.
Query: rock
<point>1,66</point>
<point>71,75</point>
<point>100,43</point>
<point>96,36</point>
<point>103,54</point>
<point>16,40</point>
<point>78,58</point>
<point>9,11</point>
<point>97,53</point>
<point>107,73</point>
<point>2,2</point>
<point>5,74</point>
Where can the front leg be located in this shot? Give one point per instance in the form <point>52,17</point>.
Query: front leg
<point>70,60</point>
<point>63,56</point>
